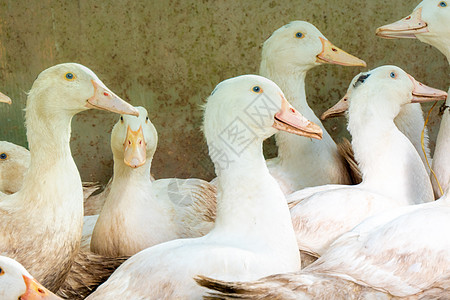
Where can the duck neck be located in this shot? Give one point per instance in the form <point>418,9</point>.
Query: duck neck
<point>125,174</point>
<point>53,179</point>
<point>388,161</point>
<point>441,42</point>
<point>441,159</point>
<point>250,203</point>
<point>294,152</point>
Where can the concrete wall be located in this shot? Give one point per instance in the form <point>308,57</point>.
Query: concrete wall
<point>169,55</point>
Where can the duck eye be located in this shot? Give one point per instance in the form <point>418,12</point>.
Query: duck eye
<point>1,272</point>
<point>69,76</point>
<point>393,75</point>
<point>443,4</point>
<point>146,119</point>
<point>257,89</point>
<point>299,35</point>
<point>121,119</point>
<point>3,156</point>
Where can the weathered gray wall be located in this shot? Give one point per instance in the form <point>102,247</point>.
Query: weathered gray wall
<point>169,55</point>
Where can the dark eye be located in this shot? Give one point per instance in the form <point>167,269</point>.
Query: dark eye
<point>443,4</point>
<point>3,156</point>
<point>121,118</point>
<point>256,89</point>
<point>70,76</point>
<point>146,119</point>
<point>1,272</point>
<point>299,35</point>
<point>393,75</point>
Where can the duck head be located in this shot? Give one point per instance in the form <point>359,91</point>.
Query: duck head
<point>77,88</point>
<point>396,85</point>
<point>14,162</point>
<point>134,139</point>
<point>300,45</point>
<point>251,108</point>
<point>429,22</point>
<point>5,99</point>
<point>17,283</point>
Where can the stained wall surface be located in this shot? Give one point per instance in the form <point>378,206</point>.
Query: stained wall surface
<point>169,55</point>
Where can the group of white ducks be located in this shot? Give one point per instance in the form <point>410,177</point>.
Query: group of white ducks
<point>383,238</point>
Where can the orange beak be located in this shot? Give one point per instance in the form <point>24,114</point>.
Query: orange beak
<point>290,120</point>
<point>135,148</point>
<point>405,28</point>
<point>104,99</point>
<point>333,55</point>
<point>5,99</point>
<point>337,110</point>
<point>423,93</point>
<point>35,291</point>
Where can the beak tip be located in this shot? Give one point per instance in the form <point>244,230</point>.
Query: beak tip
<point>134,112</point>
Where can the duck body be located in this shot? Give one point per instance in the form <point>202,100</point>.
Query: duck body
<point>392,263</point>
<point>253,233</point>
<point>139,213</point>
<point>116,234</point>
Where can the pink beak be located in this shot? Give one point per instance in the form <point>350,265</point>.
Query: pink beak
<point>290,120</point>
<point>423,93</point>
<point>5,99</point>
<point>405,28</point>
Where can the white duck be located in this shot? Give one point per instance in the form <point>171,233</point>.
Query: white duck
<point>253,232</point>
<point>287,56</point>
<point>41,223</point>
<point>430,23</point>
<point>393,174</point>
<point>139,213</point>
<point>17,283</point>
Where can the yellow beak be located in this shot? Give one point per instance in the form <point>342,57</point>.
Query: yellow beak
<point>35,291</point>
<point>5,99</point>
<point>333,55</point>
<point>135,148</point>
